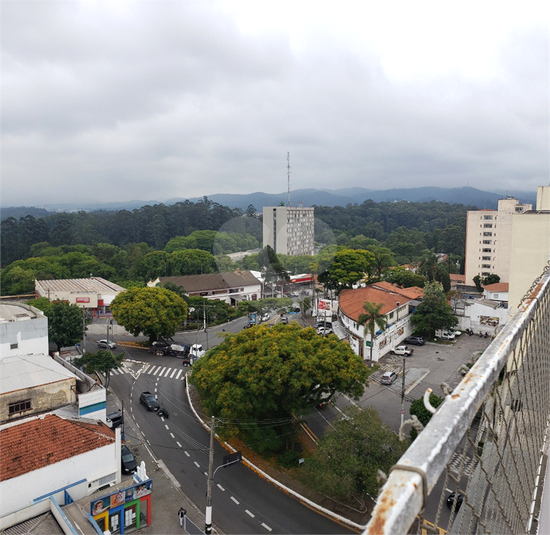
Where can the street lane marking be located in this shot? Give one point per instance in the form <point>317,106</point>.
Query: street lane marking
<point>251,515</point>
<point>220,487</point>
<point>266,527</point>
<point>236,501</point>
<point>187,453</point>
<point>172,435</point>
<point>151,370</point>
<point>175,370</point>
<point>178,444</point>
<point>167,372</point>
<point>161,371</point>
<point>147,366</point>
<point>166,425</point>
<point>179,373</point>
<point>196,464</point>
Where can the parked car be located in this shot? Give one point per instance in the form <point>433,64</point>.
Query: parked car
<point>456,333</point>
<point>403,351</point>
<point>265,316</point>
<point>106,344</point>
<point>323,323</point>
<point>445,335</point>
<point>284,320</point>
<point>388,378</point>
<point>451,500</point>
<point>129,463</point>
<point>415,340</point>
<point>114,419</point>
<point>150,401</point>
<point>325,330</point>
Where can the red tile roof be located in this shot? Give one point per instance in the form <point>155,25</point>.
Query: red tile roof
<point>41,442</point>
<point>456,277</point>
<point>351,301</point>
<point>497,287</point>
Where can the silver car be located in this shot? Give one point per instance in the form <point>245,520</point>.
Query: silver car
<point>388,378</point>
<point>106,344</point>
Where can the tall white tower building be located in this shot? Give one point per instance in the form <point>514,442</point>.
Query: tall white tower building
<point>289,230</point>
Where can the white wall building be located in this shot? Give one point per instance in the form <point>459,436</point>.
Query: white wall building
<point>489,240</point>
<point>397,305</point>
<point>23,330</point>
<point>48,456</point>
<point>289,230</point>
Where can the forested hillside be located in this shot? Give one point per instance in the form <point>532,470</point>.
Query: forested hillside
<point>186,238</point>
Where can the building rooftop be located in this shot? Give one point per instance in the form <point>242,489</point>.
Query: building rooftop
<point>497,287</point>
<point>212,281</point>
<point>38,442</point>
<point>27,371</point>
<point>89,285</point>
<point>351,301</point>
<point>18,312</point>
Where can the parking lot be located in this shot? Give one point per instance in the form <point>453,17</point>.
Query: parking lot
<point>429,366</point>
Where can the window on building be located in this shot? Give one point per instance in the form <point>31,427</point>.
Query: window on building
<point>487,233</point>
<point>486,258</point>
<point>487,217</point>
<point>485,266</point>
<point>14,346</point>
<point>487,225</point>
<point>19,406</point>
<point>487,250</point>
<point>487,242</point>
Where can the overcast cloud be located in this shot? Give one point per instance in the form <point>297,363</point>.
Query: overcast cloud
<point>114,101</point>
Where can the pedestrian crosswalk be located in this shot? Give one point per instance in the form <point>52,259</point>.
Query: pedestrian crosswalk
<point>151,369</point>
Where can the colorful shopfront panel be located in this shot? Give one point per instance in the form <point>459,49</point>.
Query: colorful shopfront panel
<point>127,508</point>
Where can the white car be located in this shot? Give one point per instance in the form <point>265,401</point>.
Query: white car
<point>265,316</point>
<point>106,344</point>
<point>325,330</point>
<point>445,335</point>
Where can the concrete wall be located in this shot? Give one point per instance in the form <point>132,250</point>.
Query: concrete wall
<point>30,337</point>
<point>43,398</point>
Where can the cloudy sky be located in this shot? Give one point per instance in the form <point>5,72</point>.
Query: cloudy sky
<point>115,100</point>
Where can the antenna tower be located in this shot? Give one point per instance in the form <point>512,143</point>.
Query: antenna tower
<point>288,176</point>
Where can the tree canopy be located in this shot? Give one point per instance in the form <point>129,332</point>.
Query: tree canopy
<point>65,321</point>
<point>268,374</point>
<point>155,312</point>
<point>434,312</point>
<point>348,457</point>
<point>103,361</point>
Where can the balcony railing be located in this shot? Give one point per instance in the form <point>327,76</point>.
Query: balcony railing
<point>486,443</point>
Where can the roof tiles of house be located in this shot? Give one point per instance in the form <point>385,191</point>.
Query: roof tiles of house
<point>213,281</point>
<point>412,292</point>
<point>47,440</point>
<point>497,287</point>
<point>457,278</point>
<point>351,301</point>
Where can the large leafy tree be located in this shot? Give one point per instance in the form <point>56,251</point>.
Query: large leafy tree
<point>103,361</point>
<point>349,455</point>
<point>268,374</point>
<point>348,267</point>
<point>65,322</point>
<point>434,312</point>
<point>405,278</point>
<point>372,320</point>
<point>155,312</point>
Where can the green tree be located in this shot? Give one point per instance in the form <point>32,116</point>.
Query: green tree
<point>491,279</point>
<point>348,457</point>
<point>268,374</point>
<point>103,361</point>
<point>191,262</point>
<point>419,410</point>
<point>371,319</point>
<point>64,323</point>
<point>405,278</point>
<point>477,282</point>
<point>347,268</point>
<point>155,312</point>
<point>434,312</point>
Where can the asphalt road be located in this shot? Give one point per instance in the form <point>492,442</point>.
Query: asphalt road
<point>242,501</point>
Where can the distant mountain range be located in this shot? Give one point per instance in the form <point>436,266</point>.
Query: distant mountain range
<point>309,197</point>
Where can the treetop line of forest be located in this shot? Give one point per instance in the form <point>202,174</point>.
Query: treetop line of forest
<point>182,239</point>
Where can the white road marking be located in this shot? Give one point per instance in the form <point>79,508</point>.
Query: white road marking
<point>175,370</point>
<point>251,515</point>
<point>167,372</point>
<point>220,487</point>
<point>151,370</point>
<point>172,435</point>
<point>179,444</point>
<point>187,453</point>
<point>236,501</point>
<point>266,527</point>
<point>166,425</point>
<point>147,366</point>
<point>161,370</point>
<point>179,373</point>
<point>196,464</point>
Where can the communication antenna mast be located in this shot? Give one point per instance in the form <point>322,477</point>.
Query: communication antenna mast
<point>288,176</point>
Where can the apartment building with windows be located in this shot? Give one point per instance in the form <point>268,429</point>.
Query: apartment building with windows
<point>289,230</point>
<point>489,240</point>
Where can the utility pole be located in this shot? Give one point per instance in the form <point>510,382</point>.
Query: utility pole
<point>208,516</point>
<point>403,394</point>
